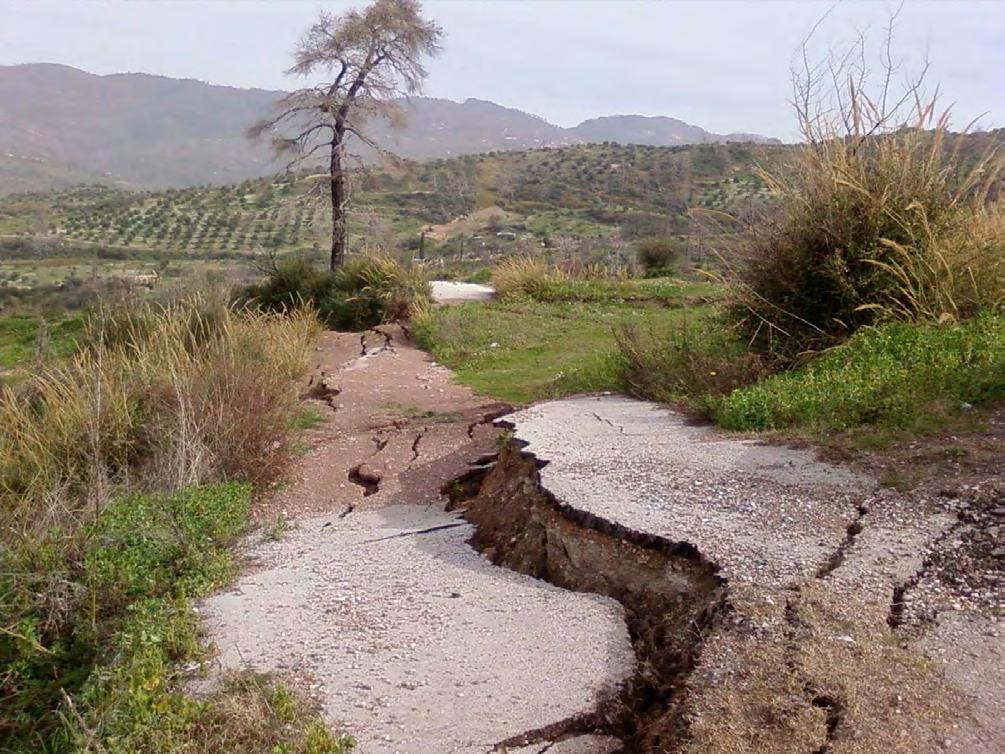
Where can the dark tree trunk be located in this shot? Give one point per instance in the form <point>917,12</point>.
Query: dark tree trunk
<point>339,199</point>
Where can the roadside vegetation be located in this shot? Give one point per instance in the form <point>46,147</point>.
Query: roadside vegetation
<point>365,291</point>
<point>551,333</point>
<point>872,294</point>
<point>126,473</point>
<point>25,339</point>
<point>531,277</point>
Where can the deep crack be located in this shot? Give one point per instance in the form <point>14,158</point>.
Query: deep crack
<point>415,445</point>
<point>574,725</point>
<point>365,478</point>
<point>427,530</point>
<point>898,601</point>
<point>833,709</point>
<point>837,557</point>
<point>670,592</point>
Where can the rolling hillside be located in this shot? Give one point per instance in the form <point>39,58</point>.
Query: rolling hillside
<point>578,192</point>
<point>142,131</point>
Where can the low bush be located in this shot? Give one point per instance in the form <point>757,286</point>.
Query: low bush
<point>364,292</point>
<point>658,256</point>
<point>688,361</point>
<point>370,290</point>
<point>896,376</point>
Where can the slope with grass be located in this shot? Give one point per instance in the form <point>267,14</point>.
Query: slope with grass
<point>126,473</point>
<point>560,342</point>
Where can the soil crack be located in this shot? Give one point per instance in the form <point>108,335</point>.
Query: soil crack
<point>365,477</point>
<point>837,557</point>
<point>551,734</point>
<point>415,445</point>
<point>670,592</point>
<point>416,532</point>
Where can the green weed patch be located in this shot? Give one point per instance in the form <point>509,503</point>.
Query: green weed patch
<point>896,376</point>
<point>520,351</point>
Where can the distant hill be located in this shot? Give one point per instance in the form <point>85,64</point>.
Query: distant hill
<point>534,196</point>
<point>652,131</point>
<point>59,125</point>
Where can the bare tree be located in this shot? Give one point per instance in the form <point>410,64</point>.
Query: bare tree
<point>371,58</point>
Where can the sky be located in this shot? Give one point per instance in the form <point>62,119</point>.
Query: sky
<point>722,65</point>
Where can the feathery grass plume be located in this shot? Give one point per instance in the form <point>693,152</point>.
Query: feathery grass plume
<point>882,215</point>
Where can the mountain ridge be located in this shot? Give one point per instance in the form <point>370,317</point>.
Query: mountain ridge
<point>143,130</point>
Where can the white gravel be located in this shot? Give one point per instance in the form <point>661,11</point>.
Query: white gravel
<point>416,643</point>
<point>448,291</point>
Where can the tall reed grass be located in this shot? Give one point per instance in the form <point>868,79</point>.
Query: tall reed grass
<point>883,214</point>
<point>162,397</point>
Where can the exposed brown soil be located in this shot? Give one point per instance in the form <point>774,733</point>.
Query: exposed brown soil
<point>393,420</point>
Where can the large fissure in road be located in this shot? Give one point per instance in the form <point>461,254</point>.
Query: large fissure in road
<point>670,592</point>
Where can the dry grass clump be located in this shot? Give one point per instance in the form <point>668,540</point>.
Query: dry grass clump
<point>367,290</point>
<point>523,275</point>
<point>688,363</point>
<point>881,216</point>
<point>162,398</point>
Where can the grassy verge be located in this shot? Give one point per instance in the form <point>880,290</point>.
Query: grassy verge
<point>24,338</point>
<point>125,475</point>
<point>528,277</point>
<point>519,351</point>
<point>897,376</point>
<point>664,291</point>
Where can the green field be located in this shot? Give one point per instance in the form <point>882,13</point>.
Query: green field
<point>525,350</point>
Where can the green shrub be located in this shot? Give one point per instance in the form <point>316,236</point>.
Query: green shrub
<point>370,290</point>
<point>658,256</point>
<point>898,375</point>
<point>364,292</point>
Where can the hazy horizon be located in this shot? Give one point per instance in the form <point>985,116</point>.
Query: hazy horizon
<point>724,66</point>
